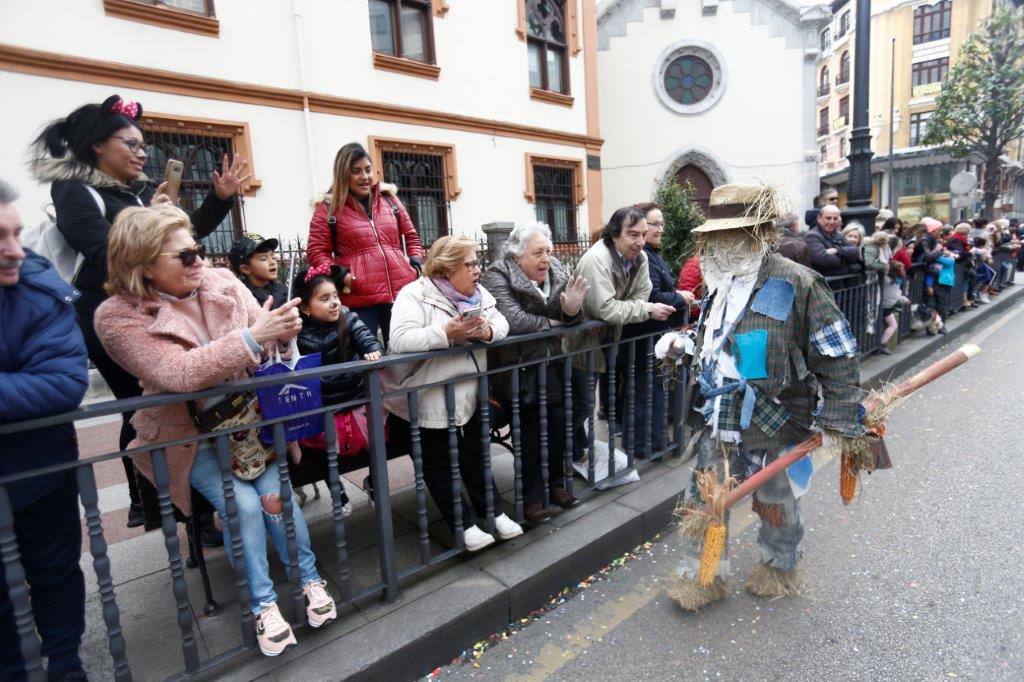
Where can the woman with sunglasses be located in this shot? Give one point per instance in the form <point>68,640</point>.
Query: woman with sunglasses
<point>181,327</point>
<point>93,161</point>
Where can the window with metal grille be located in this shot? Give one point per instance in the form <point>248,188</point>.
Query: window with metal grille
<point>823,82</point>
<point>844,108</point>
<point>844,69</point>
<point>420,177</point>
<point>844,24</point>
<point>919,126</point>
<point>547,45</point>
<point>931,22</point>
<point>402,28</point>
<point>555,204</point>
<point>823,121</point>
<point>201,151</point>
<point>931,71</point>
<point>826,40</point>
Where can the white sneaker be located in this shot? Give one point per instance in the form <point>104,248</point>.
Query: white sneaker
<point>319,605</point>
<point>273,634</point>
<point>346,510</point>
<point>476,539</point>
<point>984,298</point>
<point>507,528</point>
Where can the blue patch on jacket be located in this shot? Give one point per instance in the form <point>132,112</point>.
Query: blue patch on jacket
<point>775,299</point>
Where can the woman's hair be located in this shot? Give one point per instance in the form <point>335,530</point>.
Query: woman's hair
<point>343,162</point>
<point>852,227</point>
<point>891,223</point>
<point>962,228</point>
<point>85,126</point>
<point>136,239</point>
<point>521,235</point>
<point>623,219</point>
<point>648,206</point>
<point>881,238</point>
<point>447,255</point>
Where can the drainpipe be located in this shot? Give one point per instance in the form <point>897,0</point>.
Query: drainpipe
<point>306,119</point>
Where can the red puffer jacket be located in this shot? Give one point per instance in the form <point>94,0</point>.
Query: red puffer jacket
<point>369,246</point>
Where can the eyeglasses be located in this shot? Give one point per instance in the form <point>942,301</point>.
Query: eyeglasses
<point>473,265</point>
<point>655,224</point>
<point>134,145</point>
<point>188,256</point>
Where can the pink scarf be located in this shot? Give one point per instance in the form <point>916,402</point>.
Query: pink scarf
<point>461,302</point>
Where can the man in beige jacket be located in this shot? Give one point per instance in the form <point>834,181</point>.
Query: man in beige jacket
<point>617,271</point>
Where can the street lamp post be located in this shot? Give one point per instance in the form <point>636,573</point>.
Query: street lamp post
<point>858,194</point>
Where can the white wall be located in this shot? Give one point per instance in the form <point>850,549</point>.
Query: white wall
<point>490,169</point>
<point>755,131</point>
<point>483,63</point>
<point>483,74</point>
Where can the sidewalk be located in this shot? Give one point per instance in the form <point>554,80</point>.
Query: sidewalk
<point>438,614</point>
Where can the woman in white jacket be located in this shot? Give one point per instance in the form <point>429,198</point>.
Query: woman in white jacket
<point>444,308</point>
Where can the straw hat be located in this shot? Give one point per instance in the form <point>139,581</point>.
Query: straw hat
<point>736,205</point>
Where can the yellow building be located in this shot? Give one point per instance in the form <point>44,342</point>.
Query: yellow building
<point>913,45</point>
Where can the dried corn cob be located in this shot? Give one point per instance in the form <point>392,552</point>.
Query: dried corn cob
<point>714,545</point>
<point>847,478</point>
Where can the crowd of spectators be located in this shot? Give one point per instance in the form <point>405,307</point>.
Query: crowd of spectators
<point>150,314</point>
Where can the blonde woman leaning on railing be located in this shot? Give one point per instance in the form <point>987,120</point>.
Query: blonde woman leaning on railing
<point>181,327</point>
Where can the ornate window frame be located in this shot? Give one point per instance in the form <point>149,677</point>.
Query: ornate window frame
<point>378,145</point>
<point>698,48</point>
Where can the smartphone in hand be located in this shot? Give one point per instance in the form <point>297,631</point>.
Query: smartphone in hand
<point>172,176</point>
<point>471,313</point>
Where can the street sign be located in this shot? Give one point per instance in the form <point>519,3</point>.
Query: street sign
<point>962,183</point>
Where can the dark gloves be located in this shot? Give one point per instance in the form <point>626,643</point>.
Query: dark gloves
<point>416,264</point>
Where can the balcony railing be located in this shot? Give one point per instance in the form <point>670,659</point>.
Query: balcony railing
<point>842,79</point>
<point>823,130</point>
<point>929,36</point>
<point>824,89</point>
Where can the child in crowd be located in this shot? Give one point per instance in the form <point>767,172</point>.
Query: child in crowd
<point>339,336</point>
<point>254,260</point>
<point>983,265</point>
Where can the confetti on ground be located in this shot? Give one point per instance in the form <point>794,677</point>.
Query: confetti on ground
<point>472,655</point>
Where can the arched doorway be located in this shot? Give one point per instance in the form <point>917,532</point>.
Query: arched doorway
<point>702,184</point>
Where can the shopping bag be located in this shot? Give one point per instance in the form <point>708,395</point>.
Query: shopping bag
<point>292,397</point>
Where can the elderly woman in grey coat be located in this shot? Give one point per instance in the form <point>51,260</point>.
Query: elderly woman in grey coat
<point>535,293</point>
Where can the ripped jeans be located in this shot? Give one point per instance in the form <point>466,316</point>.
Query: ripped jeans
<point>782,526</point>
<point>255,525</point>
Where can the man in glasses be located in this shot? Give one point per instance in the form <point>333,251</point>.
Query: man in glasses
<point>43,371</point>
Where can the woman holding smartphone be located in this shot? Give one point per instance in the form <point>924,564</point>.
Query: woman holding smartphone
<point>93,161</point>
<point>367,231</point>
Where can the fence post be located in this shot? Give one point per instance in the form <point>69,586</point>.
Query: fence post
<point>497,234</point>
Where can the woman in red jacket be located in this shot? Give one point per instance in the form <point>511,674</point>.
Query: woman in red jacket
<point>367,232</point>
<point>690,279</point>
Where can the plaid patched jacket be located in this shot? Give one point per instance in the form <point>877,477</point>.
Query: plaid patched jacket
<point>810,349</point>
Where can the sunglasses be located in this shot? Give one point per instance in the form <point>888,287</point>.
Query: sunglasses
<point>188,256</point>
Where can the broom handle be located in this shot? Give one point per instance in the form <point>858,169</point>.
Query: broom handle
<point>905,388</point>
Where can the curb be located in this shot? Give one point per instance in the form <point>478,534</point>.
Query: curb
<point>436,619</point>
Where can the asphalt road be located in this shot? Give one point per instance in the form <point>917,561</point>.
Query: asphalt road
<point>918,579</point>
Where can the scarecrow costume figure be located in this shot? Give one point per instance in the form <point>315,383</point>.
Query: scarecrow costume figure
<point>772,360</point>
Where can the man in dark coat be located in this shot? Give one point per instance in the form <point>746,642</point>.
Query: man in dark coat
<point>831,254</point>
<point>43,371</point>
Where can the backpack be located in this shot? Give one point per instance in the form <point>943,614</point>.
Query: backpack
<point>47,241</point>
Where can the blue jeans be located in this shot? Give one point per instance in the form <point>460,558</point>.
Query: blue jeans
<point>255,525</point>
<point>376,317</point>
<point>50,543</point>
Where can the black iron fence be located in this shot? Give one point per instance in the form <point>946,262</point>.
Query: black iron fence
<point>568,253</point>
<point>577,407</point>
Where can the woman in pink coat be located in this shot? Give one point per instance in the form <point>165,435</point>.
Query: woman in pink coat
<point>180,327</point>
<point>368,232</point>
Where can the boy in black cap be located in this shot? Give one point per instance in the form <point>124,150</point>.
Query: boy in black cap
<point>254,260</point>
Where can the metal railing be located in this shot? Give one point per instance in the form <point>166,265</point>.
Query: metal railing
<point>635,438</point>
